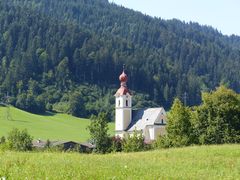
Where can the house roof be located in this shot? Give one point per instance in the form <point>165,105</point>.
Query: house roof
<point>88,145</point>
<point>144,117</point>
<point>42,144</point>
<point>39,143</point>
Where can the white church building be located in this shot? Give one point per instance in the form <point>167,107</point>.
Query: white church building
<point>150,121</point>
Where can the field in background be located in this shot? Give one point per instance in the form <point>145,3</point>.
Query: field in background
<point>49,126</point>
<point>206,162</point>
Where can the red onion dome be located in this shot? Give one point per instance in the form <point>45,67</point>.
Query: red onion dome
<point>123,77</point>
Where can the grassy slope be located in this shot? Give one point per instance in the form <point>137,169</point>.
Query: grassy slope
<point>206,162</point>
<point>49,126</point>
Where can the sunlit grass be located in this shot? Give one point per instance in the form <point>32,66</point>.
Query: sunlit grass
<point>49,126</point>
<point>206,162</point>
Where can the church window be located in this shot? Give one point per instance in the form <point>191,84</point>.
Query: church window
<point>127,103</point>
<point>118,102</point>
<point>162,121</point>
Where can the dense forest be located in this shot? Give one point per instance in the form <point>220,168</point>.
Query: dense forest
<point>66,55</point>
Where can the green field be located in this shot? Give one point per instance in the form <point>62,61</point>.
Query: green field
<point>206,162</point>
<point>49,126</point>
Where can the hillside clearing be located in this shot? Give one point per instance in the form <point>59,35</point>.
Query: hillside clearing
<point>49,126</point>
<point>206,162</point>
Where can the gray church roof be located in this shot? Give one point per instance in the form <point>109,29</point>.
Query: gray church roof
<point>144,117</point>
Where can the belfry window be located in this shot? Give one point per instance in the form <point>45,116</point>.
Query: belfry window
<point>118,102</point>
<point>127,103</point>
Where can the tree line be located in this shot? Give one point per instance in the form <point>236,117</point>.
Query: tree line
<point>215,121</point>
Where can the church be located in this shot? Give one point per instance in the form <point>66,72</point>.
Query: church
<point>150,122</point>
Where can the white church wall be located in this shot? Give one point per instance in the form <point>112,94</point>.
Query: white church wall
<point>151,134</point>
<point>119,120</point>
<point>159,130</point>
<point>127,117</point>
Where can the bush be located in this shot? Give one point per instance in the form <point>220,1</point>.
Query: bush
<point>3,144</point>
<point>2,140</point>
<point>117,144</point>
<point>134,143</point>
<point>162,142</point>
<point>19,140</point>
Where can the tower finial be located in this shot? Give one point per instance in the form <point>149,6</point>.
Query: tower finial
<point>123,67</point>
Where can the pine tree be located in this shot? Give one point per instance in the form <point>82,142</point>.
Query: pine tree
<point>179,128</point>
<point>99,133</point>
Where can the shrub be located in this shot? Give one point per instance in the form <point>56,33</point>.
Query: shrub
<point>19,140</point>
<point>2,140</point>
<point>134,143</point>
<point>162,142</point>
<point>117,144</point>
<point>3,144</point>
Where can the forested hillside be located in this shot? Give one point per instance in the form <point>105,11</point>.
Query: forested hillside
<point>66,55</point>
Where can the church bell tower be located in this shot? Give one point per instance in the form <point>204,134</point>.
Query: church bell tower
<point>123,107</point>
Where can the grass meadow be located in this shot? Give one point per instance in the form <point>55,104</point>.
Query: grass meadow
<point>51,126</point>
<point>204,162</point>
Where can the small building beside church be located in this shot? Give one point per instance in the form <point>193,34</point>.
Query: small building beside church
<point>150,122</point>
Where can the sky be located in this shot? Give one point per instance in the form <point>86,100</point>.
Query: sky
<point>223,15</point>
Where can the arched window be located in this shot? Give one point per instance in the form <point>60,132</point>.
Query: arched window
<point>127,103</point>
<point>118,102</point>
<point>162,121</point>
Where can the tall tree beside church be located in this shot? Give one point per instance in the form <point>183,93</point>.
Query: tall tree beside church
<point>179,128</point>
<point>99,132</point>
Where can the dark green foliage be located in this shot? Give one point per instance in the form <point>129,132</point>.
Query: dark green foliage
<point>99,133</point>
<point>133,143</point>
<point>217,120</point>
<point>31,103</point>
<point>2,140</point>
<point>76,105</point>
<point>52,47</point>
<point>117,144</point>
<point>19,140</point>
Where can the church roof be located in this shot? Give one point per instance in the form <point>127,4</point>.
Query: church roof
<point>122,91</point>
<point>144,117</point>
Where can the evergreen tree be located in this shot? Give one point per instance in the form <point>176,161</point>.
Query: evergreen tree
<point>179,128</point>
<point>99,133</point>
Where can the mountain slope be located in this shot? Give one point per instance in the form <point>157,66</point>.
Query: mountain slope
<point>62,44</point>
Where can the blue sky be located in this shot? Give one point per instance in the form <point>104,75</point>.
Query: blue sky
<point>223,15</point>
